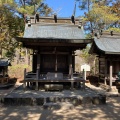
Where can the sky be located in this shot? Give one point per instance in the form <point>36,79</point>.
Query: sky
<point>64,8</point>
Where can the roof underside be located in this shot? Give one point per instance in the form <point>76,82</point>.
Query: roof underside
<point>106,44</point>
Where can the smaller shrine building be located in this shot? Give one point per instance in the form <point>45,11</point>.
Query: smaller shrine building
<point>106,46</point>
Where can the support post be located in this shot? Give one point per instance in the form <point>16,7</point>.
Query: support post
<point>70,71</point>
<point>111,69</point>
<point>37,78</point>
<point>72,85</point>
<point>70,65</point>
<point>83,74</point>
<point>84,78</point>
<point>24,73</point>
<point>36,85</point>
<point>56,63</point>
<point>38,62</point>
<point>24,86</point>
<point>73,63</point>
<point>37,74</point>
<point>83,85</point>
<point>105,72</point>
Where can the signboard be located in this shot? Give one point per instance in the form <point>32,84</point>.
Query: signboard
<point>86,67</point>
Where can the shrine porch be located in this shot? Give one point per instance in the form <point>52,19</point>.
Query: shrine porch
<point>57,80</point>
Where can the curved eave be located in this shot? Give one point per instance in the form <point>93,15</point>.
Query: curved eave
<point>106,45</point>
<point>95,49</point>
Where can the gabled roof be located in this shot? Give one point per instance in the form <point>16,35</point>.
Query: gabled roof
<point>106,44</point>
<point>46,31</point>
<point>54,31</point>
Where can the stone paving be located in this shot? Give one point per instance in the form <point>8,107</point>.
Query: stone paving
<point>91,94</point>
<point>90,90</point>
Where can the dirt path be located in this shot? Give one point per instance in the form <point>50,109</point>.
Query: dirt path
<point>110,111</point>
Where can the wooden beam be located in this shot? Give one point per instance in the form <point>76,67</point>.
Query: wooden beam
<point>53,44</point>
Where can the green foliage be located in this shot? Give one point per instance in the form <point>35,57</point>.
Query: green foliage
<point>89,36</point>
<point>85,54</point>
<point>101,13</point>
<point>116,8</point>
<point>31,7</point>
<point>100,16</point>
<point>11,26</point>
<point>20,70</point>
<point>12,22</point>
<point>114,29</point>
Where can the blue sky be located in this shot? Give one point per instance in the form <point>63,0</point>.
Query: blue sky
<point>64,8</point>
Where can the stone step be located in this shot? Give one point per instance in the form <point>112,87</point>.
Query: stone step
<point>56,106</point>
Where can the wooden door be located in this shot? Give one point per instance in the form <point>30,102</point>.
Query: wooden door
<point>54,63</point>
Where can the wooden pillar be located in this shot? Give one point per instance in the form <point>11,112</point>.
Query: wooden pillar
<point>73,62</point>
<point>70,65</point>
<point>24,84</point>
<point>105,71</point>
<point>37,74</point>
<point>111,70</point>
<point>34,63</point>
<point>99,70</point>
<point>83,74</point>
<point>72,85</point>
<point>24,73</point>
<point>70,59</point>
<point>55,62</point>
<point>38,64</point>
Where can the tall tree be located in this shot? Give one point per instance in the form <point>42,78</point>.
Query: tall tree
<point>11,22</point>
<point>100,13</point>
<point>101,16</point>
<point>31,7</point>
<point>10,26</point>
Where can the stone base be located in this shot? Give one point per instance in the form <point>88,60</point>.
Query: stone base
<point>53,87</point>
<point>40,101</point>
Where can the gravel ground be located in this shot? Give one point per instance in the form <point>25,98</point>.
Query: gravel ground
<point>110,111</point>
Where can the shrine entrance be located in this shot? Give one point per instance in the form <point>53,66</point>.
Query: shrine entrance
<point>54,63</point>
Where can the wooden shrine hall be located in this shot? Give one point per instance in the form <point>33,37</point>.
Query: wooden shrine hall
<point>53,41</point>
<point>106,46</point>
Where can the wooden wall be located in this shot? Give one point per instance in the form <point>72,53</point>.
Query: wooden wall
<point>104,65</point>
